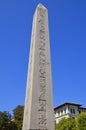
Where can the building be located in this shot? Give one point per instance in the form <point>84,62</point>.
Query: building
<point>67,110</point>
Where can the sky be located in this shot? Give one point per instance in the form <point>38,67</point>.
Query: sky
<point>67,28</point>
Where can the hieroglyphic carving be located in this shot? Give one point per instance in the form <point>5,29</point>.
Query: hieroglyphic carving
<point>42,73</point>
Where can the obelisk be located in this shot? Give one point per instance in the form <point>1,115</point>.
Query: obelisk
<point>38,111</point>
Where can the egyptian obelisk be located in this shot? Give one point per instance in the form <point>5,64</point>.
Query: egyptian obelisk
<point>38,111</point>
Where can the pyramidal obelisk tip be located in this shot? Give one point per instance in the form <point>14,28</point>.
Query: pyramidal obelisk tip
<point>41,6</point>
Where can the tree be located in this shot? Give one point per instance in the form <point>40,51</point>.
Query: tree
<point>18,116</point>
<point>81,121</point>
<point>12,125</point>
<point>5,121</point>
<point>66,124</point>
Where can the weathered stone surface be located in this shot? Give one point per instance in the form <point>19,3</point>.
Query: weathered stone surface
<point>38,112</point>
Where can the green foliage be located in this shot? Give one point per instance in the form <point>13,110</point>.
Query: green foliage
<point>66,124</point>
<point>12,126</point>
<point>73,124</point>
<point>18,116</point>
<point>81,121</point>
<point>5,122</point>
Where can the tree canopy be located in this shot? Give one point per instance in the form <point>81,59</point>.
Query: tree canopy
<point>79,123</point>
<point>18,116</point>
<point>5,121</point>
<point>66,124</point>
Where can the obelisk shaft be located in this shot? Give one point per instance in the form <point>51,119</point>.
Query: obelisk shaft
<point>38,112</point>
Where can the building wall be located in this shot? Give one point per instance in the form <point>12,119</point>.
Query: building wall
<point>66,111</point>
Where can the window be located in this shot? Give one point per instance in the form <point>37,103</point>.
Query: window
<point>79,112</point>
<point>73,111</point>
<point>64,110</point>
<point>61,111</point>
<point>58,113</point>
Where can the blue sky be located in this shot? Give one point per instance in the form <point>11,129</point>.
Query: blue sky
<point>67,25</point>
